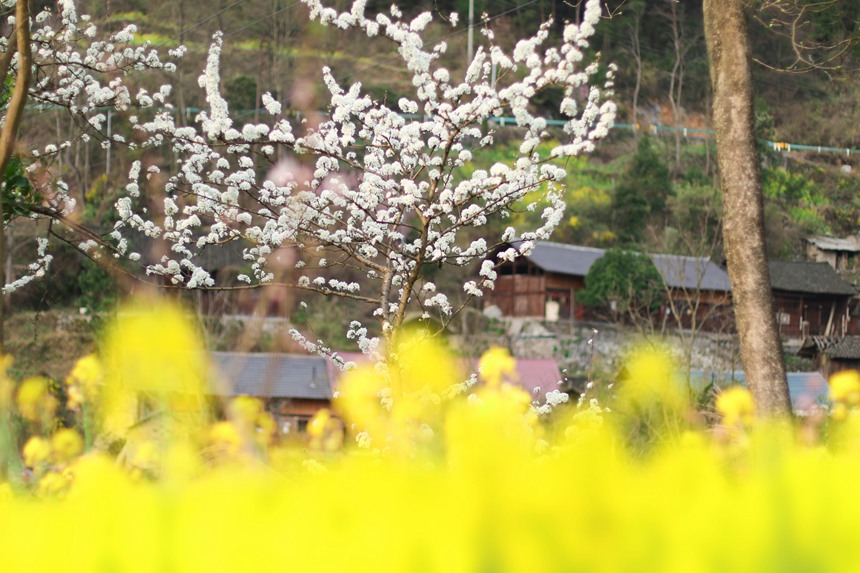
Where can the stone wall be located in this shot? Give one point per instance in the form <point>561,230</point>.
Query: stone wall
<point>580,347</point>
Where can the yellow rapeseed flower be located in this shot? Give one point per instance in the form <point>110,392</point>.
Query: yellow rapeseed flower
<point>53,483</point>
<point>144,454</point>
<point>36,451</point>
<point>225,436</point>
<point>735,404</point>
<point>152,349</point>
<point>496,365</point>
<point>318,424</point>
<point>67,444</point>
<point>85,379</point>
<point>34,401</point>
<point>845,387</point>
<point>245,411</point>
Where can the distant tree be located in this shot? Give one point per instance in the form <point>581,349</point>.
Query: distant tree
<point>625,283</point>
<point>695,217</point>
<point>642,194</point>
<point>822,34</point>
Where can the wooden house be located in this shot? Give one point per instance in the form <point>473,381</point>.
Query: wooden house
<point>293,387</point>
<point>839,253</point>
<point>811,299</point>
<point>553,273</point>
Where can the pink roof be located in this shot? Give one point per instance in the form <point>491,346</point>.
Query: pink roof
<point>537,376</point>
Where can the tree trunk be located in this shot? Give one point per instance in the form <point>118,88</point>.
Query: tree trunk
<point>14,111</point>
<point>743,218</point>
<point>636,51</point>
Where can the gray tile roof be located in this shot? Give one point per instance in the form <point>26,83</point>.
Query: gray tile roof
<point>839,347</point>
<point>847,348</point>
<point>808,277</point>
<point>273,375</point>
<point>677,271</point>
<point>698,273</point>
<point>564,259</point>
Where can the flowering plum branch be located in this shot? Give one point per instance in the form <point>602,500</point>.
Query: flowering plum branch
<point>381,195</point>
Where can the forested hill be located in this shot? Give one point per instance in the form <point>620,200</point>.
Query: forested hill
<point>666,187</point>
<point>658,46</point>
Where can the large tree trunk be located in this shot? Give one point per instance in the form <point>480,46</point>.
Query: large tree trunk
<point>743,210</point>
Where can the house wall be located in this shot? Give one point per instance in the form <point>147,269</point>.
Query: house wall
<point>713,311</point>
<point>524,291</point>
<point>801,315</point>
<point>813,253</point>
<point>839,260</point>
<point>293,414</point>
<point>525,295</point>
<point>830,366</point>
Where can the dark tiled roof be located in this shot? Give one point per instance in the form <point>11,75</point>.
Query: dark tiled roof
<point>677,271</point>
<point>848,348</point>
<point>807,277</point>
<point>564,259</point>
<point>692,273</point>
<point>273,375</point>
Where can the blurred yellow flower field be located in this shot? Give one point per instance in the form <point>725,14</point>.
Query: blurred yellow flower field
<point>415,471</point>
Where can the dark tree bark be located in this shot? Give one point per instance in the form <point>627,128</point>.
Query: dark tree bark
<point>743,210</point>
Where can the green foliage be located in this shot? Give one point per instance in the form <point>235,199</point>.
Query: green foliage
<point>241,93</point>
<point>643,192</point>
<point>627,278</point>
<point>695,222</point>
<point>795,208</point>
<point>98,288</point>
<point>19,197</point>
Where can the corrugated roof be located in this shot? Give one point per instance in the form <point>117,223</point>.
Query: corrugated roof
<point>678,271</point>
<point>835,244</point>
<point>273,375</point>
<point>808,277</point>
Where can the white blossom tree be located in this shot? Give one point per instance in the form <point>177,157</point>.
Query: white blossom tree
<point>380,194</point>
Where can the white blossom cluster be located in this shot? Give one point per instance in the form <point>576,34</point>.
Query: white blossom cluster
<point>381,191</point>
<point>35,270</point>
<point>553,398</point>
<point>76,71</point>
<point>381,195</point>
